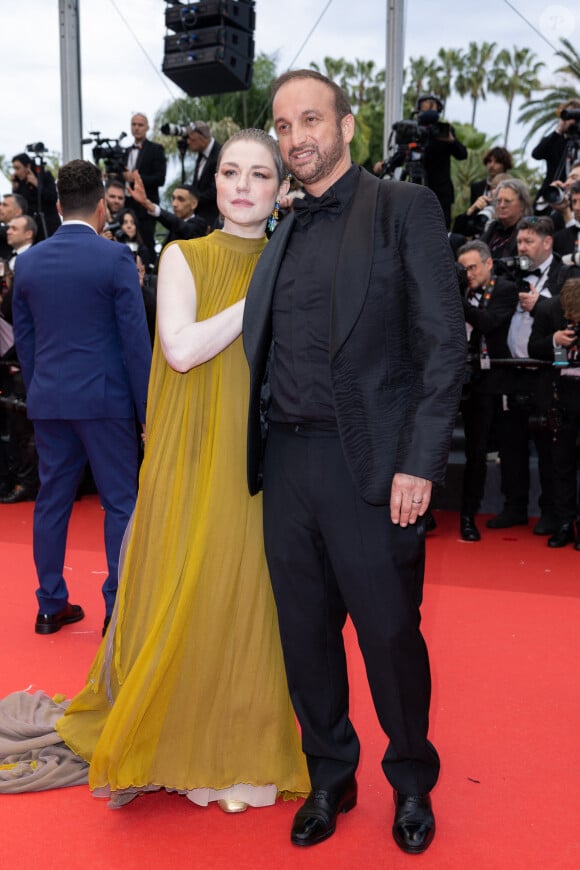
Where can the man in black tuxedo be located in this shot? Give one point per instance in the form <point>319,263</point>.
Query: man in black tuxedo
<point>148,158</point>
<point>202,143</point>
<point>540,283</point>
<point>355,335</point>
<point>488,307</point>
<point>555,337</point>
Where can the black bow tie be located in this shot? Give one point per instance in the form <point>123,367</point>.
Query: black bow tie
<point>536,272</point>
<point>305,208</point>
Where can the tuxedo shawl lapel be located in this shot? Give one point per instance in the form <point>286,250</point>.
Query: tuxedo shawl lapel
<point>354,264</point>
<point>257,311</point>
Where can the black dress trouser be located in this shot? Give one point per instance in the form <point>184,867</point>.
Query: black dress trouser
<point>331,554</point>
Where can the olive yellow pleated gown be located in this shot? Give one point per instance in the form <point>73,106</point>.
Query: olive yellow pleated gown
<point>188,689</point>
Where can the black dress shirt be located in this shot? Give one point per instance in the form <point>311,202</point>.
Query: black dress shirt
<point>300,385</point>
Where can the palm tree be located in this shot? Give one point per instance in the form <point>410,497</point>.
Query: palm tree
<point>472,77</point>
<point>422,76</point>
<point>450,66</point>
<point>515,74</point>
<point>541,112</point>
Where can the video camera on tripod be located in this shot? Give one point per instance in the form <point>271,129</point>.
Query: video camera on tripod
<point>409,140</point>
<point>110,151</point>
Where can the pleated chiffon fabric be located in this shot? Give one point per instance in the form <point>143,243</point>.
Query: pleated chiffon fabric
<point>188,689</point>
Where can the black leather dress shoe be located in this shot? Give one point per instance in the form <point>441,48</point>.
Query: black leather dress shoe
<point>315,821</point>
<point>468,529</point>
<point>546,525</point>
<point>414,825</point>
<point>506,519</point>
<point>19,493</point>
<point>48,623</point>
<point>564,535</point>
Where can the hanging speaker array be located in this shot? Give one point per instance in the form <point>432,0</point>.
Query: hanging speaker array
<point>210,46</point>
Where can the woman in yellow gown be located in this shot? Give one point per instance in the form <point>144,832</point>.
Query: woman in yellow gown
<point>188,689</point>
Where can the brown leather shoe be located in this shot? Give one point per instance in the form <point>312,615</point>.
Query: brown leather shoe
<point>49,623</point>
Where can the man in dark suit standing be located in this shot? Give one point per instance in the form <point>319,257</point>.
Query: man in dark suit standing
<point>82,341</point>
<point>200,141</point>
<point>488,307</point>
<point>535,236</point>
<point>366,342</point>
<point>149,159</point>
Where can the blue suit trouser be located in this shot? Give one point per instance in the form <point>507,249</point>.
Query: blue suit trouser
<point>64,447</point>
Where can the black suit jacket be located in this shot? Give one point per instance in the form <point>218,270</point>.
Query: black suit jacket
<point>205,187</point>
<point>552,149</point>
<point>192,228</point>
<point>565,240</point>
<point>549,320</point>
<point>437,161</point>
<point>493,322</point>
<point>396,350</point>
<point>477,189</point>
<point>152,166</point>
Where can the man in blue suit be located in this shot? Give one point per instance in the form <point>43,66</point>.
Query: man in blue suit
<point>83,345</point>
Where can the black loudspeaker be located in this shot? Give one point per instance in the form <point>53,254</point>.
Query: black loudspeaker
<point>211,50</point>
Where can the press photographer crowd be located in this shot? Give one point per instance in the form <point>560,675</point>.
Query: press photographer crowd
<point>518,268</point>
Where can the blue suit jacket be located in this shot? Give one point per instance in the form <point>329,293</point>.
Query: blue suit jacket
<point>80,328</point>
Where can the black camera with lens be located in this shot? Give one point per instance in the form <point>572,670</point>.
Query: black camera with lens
<point>110,151</point>
<point>37,148</point>
<point>574,326</point>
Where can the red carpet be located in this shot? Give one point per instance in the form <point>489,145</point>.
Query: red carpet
<point>502,619</point>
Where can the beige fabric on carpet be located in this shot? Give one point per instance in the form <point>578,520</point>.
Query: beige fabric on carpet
<point>32,755</point>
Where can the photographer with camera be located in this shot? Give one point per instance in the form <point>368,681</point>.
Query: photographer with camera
<point>561,148</point>
<point>480,214</point>
<point>555,335</point>
<point>35,183</point>
<point>442,145</point>
<point>148,158</point>
<point>567,240</point>
<point>539,275</point>
<point>512,203</point>
<point>424,148</point>
<point>488,307</point>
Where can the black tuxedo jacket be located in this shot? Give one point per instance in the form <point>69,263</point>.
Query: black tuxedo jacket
<point>151,165</point>
<point>205,188</point>
<point>493,322</point>
<point>549,320</point>
<point>565,240</point>
<point>397,349</point>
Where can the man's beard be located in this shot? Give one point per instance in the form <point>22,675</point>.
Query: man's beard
<point>323,163</point>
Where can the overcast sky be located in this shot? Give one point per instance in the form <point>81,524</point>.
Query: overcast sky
<point>120,76</point>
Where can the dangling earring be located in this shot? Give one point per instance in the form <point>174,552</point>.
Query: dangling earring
<point>274,218</point>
